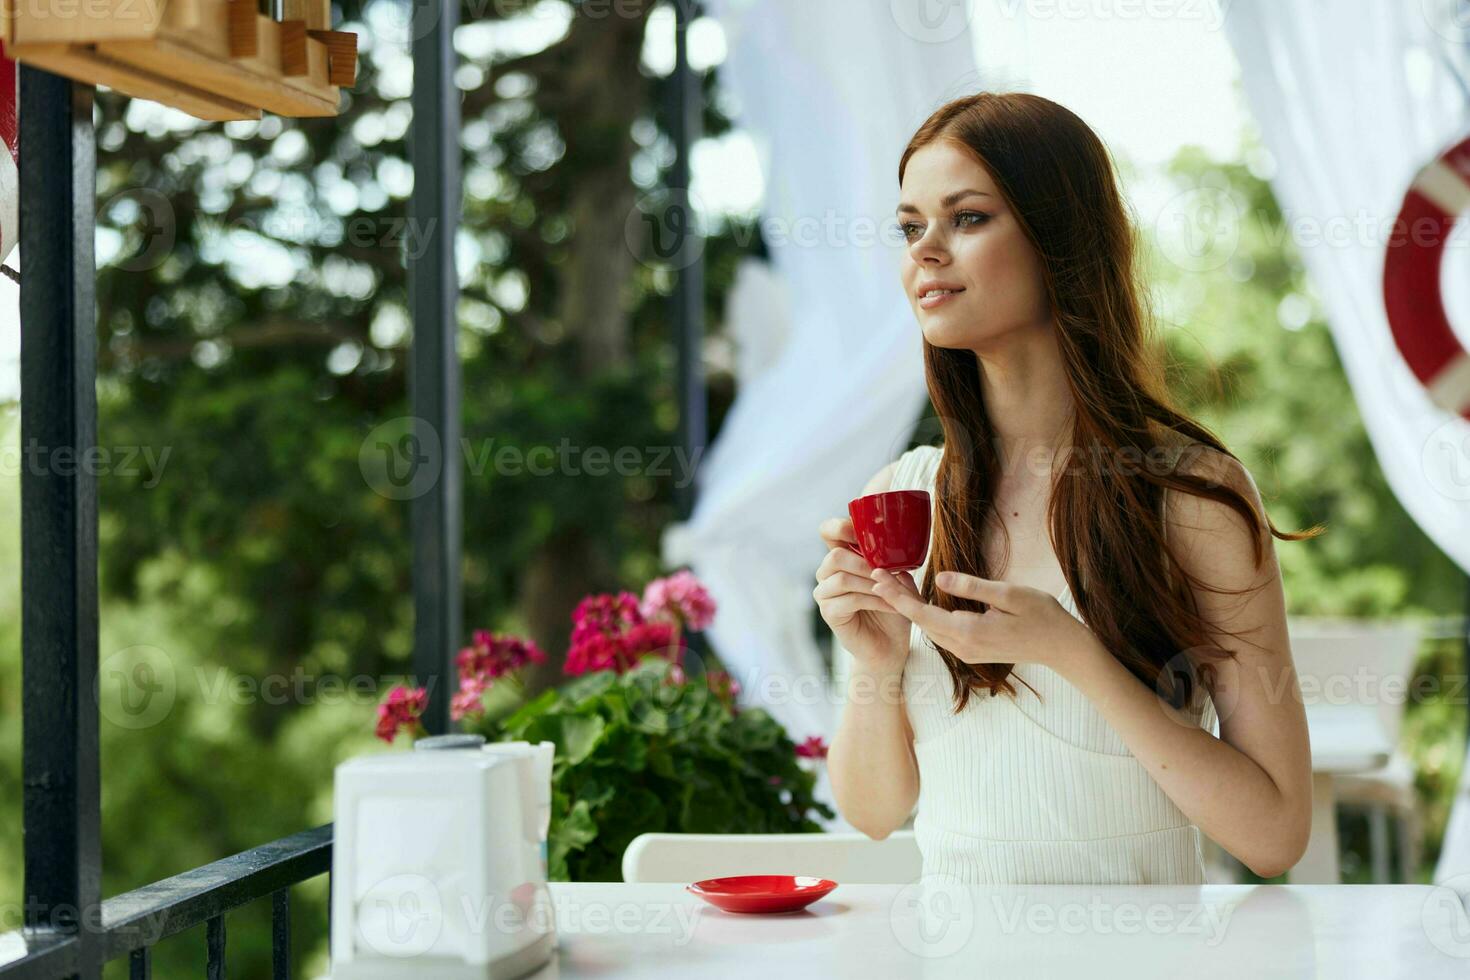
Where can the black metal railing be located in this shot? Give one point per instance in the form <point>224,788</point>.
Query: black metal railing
<point>131,923</point>
<point>68,929</point>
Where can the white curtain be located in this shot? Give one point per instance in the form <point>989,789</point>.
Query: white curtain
<point>1352,98</point>
<point>830,91</point>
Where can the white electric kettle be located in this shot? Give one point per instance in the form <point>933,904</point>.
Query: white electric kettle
<point>439,862</point>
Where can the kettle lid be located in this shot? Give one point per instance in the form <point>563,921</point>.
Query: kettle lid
<point>456,740</point>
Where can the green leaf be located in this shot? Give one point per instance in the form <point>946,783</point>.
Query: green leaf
<point>579,735</point>
<point>636,754</point>
<point>578,828</point>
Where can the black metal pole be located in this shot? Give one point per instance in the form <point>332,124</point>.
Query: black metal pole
<point>58,424</point>
<point>685,120</point>
<point>686,117</point>
<point>434,381</point>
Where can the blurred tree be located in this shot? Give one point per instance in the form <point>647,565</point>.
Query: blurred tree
<point>254,331</point>
<point>254,324</point>
<point>1253,357</point>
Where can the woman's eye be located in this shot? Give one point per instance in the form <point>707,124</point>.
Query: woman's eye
<point>962,219</point>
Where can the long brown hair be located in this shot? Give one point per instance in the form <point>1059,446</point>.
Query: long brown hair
<point>1106,521</point>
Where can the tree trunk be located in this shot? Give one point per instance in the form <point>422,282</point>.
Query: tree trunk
<point>556,579</point>
<point>599,83</point>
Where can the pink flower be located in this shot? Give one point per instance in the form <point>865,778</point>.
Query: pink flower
<point>679,598</point>
<point>492,656</point>
<point>468,699</point>
<point>725,687</point>
<point>658,639</point>
<point>604,614</point>
<point>812,748</point>
<point>401,709</point>
<point>609,633</point>
<point>592,653</point>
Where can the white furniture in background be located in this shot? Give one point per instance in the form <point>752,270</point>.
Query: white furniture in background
<point>1389,790</point>
<point>843,857</point>
<point>1354,677</point>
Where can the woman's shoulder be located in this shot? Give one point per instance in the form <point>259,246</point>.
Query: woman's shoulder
<point>915,468</point>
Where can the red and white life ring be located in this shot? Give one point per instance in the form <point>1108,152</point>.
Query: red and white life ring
<point>9,159</point>
<point>1411,279</point>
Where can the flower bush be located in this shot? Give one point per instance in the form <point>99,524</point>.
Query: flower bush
<point>401,710</point>
<point>640,745</point>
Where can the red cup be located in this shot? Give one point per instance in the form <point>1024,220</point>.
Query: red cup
<point>892,528</point>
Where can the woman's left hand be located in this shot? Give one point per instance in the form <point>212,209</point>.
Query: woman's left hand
<point>1022,625</point>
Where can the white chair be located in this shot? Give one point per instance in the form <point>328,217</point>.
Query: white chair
<point>851,858</point>
<point>1371,663</point>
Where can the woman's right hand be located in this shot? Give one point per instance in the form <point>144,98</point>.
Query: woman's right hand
<point>865,624</point>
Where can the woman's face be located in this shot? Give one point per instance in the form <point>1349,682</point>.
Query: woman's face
<point>960,233</point>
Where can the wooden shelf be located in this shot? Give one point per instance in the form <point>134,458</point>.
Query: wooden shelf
<point>214,59</point>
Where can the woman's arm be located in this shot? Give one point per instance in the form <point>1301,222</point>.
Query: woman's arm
<point>1250,789</point>
<point>875,778</point>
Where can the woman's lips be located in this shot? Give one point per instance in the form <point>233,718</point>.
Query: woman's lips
<point>931,301</point>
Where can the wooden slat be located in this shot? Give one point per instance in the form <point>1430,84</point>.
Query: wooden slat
<point>52,21</point>
<point>211,39</point>
<point>318,15</point>
<point>293,48</point>
<point>213,75</point>
<point>341,56</point>
<point>89,65</point>
<point>183,13</point>
<point>201,59</point>
<point>194,61</point>
<point>243,29</point>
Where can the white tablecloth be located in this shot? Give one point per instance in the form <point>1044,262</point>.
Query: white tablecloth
<point>613,931</point>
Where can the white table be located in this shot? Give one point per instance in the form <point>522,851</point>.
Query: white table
<point>615,931</point>
<point>1345,739</point>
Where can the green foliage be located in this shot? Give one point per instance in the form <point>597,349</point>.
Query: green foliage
<point>642,753</point>
<point>1252,358</point>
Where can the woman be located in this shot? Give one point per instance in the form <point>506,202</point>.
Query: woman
<point>1101,578</point>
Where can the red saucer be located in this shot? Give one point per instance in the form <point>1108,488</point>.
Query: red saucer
<point>762,893</point>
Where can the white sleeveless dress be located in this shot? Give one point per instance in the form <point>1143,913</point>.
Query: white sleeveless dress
<point>1021,791</point>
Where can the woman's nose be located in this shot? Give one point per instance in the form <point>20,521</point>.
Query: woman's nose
<point>930,247</point>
